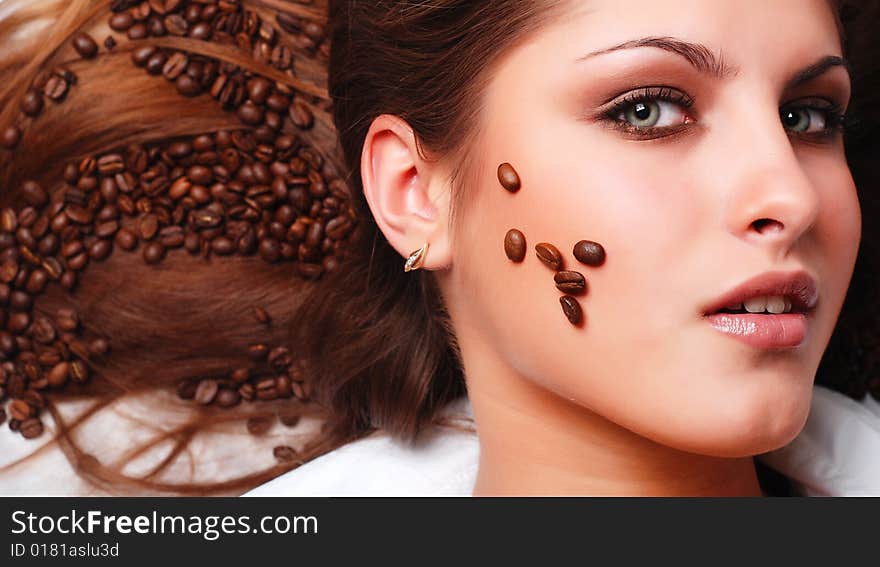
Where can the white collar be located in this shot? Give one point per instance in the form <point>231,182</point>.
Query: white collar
<point>837,453</point>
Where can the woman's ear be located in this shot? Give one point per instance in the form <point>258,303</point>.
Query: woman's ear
<point>407,194</point>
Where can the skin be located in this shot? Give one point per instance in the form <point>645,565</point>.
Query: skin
<point>646,398</point>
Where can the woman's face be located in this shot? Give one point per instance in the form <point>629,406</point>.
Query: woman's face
<point>695,141</point>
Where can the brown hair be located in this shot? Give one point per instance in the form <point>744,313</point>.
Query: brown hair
<point>374,343</point>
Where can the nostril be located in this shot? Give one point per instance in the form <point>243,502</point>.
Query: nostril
<point>766,226</point>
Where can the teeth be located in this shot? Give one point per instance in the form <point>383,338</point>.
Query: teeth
<point>776,304</point>
<point>756,305</point>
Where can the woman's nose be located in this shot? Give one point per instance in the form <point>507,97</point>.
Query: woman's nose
<point>771,200</point>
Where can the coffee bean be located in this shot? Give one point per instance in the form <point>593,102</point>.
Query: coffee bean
<point>138,31</point>
<point>20,301</point>
<point>85,45</point>
<point>259,425</point>
<point>289,418</point>
<point>200,175</point>
<point>259,90</point>
<point>202,31</point>
<point>20,410</point>
<point>153,253</point>
<point>8,346</point>
<point>100,249</point>
<point>106,229</point>
<point>37,281</point>
<point>59,374</point>
<point>79,371</point>
<point>175,66</point>
<point>67,319</point>
<point>56,88</point>
<point>223,246</point>
<point>187,86</point>
<point>589,253</point>
<point>121,22</point>
<point>18,322</point>
<point>171,237</point>
<point>206,392</point>
<point>34,194</point>
<point>11,137</point>
<point>27,217</point>
<point>109,43</point>
<point>207,219</point>
<point>126,239</point>
<point>250,114</point>
<point>32,102</point>
<point>110,164</point>
<point>176,24</point>
<point>148,226</point>
<point>508,177</point>
<point>277,103</point>
<point>258,352</point>
<point>284,453</point>
<point>549,255</point>
<point>31,429</point>
<point>572,309</point>
<point>270,250</point>
<point>515,245</point>
<point>8,220</point>
<point>228,398</point>
<point>570,282</point>
<point>155,63</point>
<point>78,214</point>
<point>301,115</point>
<point>186,390</point>
<point>69,280</point>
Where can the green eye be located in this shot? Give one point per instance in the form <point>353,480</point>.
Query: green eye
<point>643,114</point>
<point>797,120</point>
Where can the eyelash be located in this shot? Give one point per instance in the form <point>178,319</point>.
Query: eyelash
<point>835,119</point>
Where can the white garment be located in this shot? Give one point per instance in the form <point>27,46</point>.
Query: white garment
<point>836,454</point>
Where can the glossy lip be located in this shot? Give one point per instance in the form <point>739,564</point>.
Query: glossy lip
<point>767,331</point>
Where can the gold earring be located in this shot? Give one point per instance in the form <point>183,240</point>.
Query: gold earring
<point>416,259</point>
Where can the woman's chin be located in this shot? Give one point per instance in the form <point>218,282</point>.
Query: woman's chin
<point>737,427</point>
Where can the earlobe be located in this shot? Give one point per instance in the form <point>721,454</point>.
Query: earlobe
<point>401,188</point>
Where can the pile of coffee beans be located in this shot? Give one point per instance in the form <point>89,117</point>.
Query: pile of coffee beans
<point>569,282</point>
<point>220,194</point>
<point>250,191</point>
<point>222,21</point>
<point>272,374</point>
<point>54,85</point>
<point>225,21</point>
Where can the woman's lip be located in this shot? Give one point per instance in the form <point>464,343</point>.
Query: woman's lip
<point>785,330</point>
<point>799,286</point>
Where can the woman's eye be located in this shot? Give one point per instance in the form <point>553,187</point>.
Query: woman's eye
<point>804,120</point>
<point>653,114</point>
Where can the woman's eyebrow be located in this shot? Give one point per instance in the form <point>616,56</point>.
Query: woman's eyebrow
<point>697,54</point>
<point>705,61</point>
<point>818,68</point>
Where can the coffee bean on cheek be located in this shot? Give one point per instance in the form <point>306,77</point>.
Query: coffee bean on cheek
<point>508,177</point>
<point>570,282</point>
<point>572,309</point>
<point>549,255</point>
<point>515,245</point>
<point>589,253</point>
